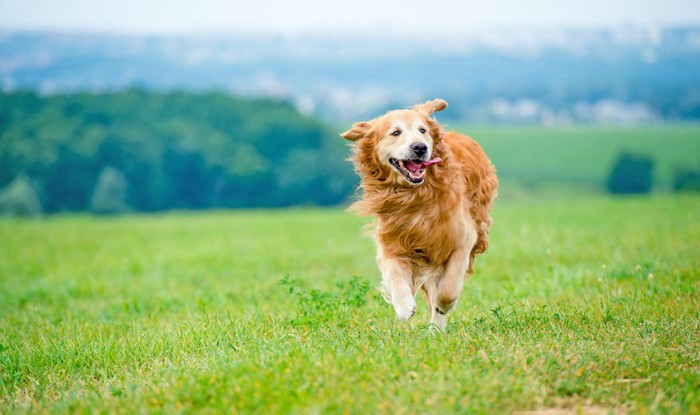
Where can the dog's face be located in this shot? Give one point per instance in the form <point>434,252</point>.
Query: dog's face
<point>401,143</point>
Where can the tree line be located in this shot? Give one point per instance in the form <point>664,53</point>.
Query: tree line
<point>150,151</point>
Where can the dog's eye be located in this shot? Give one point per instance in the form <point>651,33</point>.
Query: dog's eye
<point>396,133</point>
<point>422,130</point>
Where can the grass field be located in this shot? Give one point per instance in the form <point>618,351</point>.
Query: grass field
<point>587,305</point>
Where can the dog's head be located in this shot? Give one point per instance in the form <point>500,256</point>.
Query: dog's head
<point>400,145</point>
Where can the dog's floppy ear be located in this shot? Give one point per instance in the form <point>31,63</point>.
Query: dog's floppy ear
<point>429,107</point>
<point>357,131</point>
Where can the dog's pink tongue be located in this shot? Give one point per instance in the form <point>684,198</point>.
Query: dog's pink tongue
<point>414,167</point>
<point>429,163</point>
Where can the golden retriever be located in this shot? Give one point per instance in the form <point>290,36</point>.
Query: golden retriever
<point>431,193</point>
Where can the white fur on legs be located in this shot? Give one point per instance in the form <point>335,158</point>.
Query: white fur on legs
<point>397,277</point>
<point>404,303</point>
<point>438,320</point>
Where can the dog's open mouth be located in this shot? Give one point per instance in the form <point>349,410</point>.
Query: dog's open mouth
<point>413,170</point>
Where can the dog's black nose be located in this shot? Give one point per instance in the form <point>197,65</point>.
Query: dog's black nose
<point>419,149</point>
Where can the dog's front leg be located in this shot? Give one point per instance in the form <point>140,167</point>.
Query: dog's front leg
<point>397,279</point>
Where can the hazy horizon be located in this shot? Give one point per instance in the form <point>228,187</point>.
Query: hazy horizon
<point>156,17</point>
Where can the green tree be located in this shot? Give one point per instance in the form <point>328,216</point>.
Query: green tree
<point>109,196</point>
<point>686,180</point>
<point>20,198</point>
<point>631,174</point>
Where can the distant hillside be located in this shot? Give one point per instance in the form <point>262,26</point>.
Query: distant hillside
<point>626,75</point>
<point>150,151</point>
<point>170,150</point>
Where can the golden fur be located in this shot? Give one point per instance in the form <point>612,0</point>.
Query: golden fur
<point>427,234</point>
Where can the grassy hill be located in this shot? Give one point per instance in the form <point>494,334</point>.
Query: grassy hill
<point>582,157</point>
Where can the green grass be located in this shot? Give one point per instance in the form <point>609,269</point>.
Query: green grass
<point>590,305</point>
<point>576,155</point>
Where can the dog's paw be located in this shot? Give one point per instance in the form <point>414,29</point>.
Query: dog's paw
<point>405,307</point>
<point>438,321</point>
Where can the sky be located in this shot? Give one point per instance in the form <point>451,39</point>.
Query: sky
<point>348,16</point>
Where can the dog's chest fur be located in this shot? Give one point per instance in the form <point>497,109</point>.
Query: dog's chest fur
<point>427,234</point>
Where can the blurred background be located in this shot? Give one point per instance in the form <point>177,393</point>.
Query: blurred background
<point>121,106</point>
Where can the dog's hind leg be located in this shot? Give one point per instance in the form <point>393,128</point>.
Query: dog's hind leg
<point>452,281</point>
<point>397,278</point>
<point>438,319</point>
<point>449,287</point>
